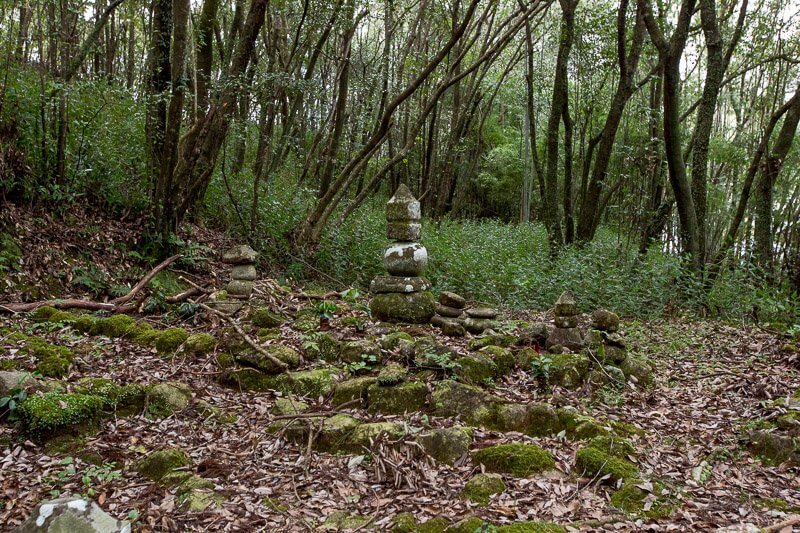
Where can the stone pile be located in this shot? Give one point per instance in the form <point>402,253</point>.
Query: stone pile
<point>604,337</point>
<point>403,295</point>
<point>243,274</point>
<point>450,315</point>
<point>479,319</point>
<point>566,334</point>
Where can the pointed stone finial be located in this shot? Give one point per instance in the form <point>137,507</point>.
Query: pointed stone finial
<point>565,305</point>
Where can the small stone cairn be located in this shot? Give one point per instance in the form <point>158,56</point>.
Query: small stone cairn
<point>479,319</point>
<point>450,315</point>
<point>243,274</point>
<point>605,339</point>
<point>403,295</point>
<point>566,333</point>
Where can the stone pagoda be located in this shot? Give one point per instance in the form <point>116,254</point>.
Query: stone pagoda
<point>403,295</point>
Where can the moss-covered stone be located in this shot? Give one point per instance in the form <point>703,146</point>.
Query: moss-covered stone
<point>391,374</point>
<point>481,487</point>
<point>61,317</point>
<point>773,448</point>
<point>289,406</point>
<point>200,344</point>
<point>344,521</point>
<point>567,370</point>
<point>43,313</point>
<point>144,334</point>
<point>394,339</point>
<point>263,363</point>
<point>531,527</point>
<point>476,369</point>
<point>113,326</point>
<point>520,460</point>
<point>404,523</point>
<point>312,383</point>
<point>268,334</point>
<point>634,499</point>
<point>164,399</point>
<point>501,357</point>
<point>323,346</point>
<point>607,375</point>
<point>638,370</point>
<point>170,340</point>
<point>212,413</point>
<point>362,435</point>
<point>542,420</point>
<point>335,434</point>
<point>618,447</point>
<point>472,404</point>
<point>403,398</point>
<point>125,400</point>
<point>84,323</point>
<point>157,465</point>
<point>446,445</point>
<point>360,351</point>
<point>306,321</point>
<point>54,413</point>
<point>411,308</point>
<point>434,525</point>
<point>352,389</point>
<point>264,318</point>
<point>491,340</point>
<point>595,463</point>
<point>54,367</point>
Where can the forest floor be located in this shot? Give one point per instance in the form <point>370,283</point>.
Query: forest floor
<point>713,383</point>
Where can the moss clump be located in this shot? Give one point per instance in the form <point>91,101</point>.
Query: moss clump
<point>352,389</point>
<point>632,499</point>
<point>53,361</point>
<point>289,406</point>
<point>62,317</point>
<point>467,525</point>
<point>520,460</point>
<point>474,405</point>
<point>262,317</point>
<point>126,399</point>
<point>434,525</point>
<point>542,420</point>
<point>43,313</point>
<point>113,326</point>
<point>144,334</point>
<point>9,364</point>
<point>772,448</point>
<point>567,370</point>
<point>313,383</point>
<point>268,334</point>
<point>334,437</point>
<point>446,445</point>
<point>55,413</point>
<point>397,400</point>
<point>531,527</point>
<point>612,445</point>
<point>84,323</point>
<point>391,374</point>
<point>360,351</point>
<point>167,398</point>
<point>170,339</point>
<point>306,321</point>
<point>54,367</point>
<point>323,346</point>
<point>394,339</point>
<point>344,521</point>
<point>503,341</point>
<point>404,523</point>
<point>481,487</point>
<point>594,463</point>
<point>361,436</point>
<point>225,360</point>
<point>157,465</point>
<point>501,357</point>
<point>200,344</point>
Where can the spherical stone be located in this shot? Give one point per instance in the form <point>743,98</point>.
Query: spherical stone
<point>482,312</point>
<point>403,206</point>
<point>451,299</point>
<point>605,320</point>
<point>384,284</point>
<point>404,231</point>
<point>244,272</point>
<point>411,308</point>
<point>240,289</point>
<point>566,321</point>
<point>478,325</point>
<point>405,259</point>
<point>240,255</point>
<point>450,312</point>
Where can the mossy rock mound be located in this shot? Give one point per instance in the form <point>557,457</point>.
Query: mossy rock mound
<point>643,498</point>
<point>363,435</point>
<point>403,398</point>
<point>520,460</point>
<point>392,374</point>
<point>592,462</point>
<point>306,321</point>
<point>312,383</point>
<point>164,399</point>
<point>537,420</point>
<point>352,389</point>
<point>258,360</point>
<point>53,414</point>
<point>467,525</point>
<point>53,361</point>
<point>322,345</point>
<point>481,487</point>
<point>615,446</point>
<point>501,357</point>
<point>773,448</point>
<point>360,351</point>
<point>289,406</point>
<point>473,405</point>
<point>503,341</point>
<point>200,344</point>
<point>334,436</point>
<point>170,340</point>
<point>446,445</point>
<point>392,340</point>
<point>124,400</point>
<point>144,335</point>
<point>113,326</point>
<point>344,521</point>
<point>476,369</point>
<point>158,465</point>
<point>638,370</point>
<point>262,317</point>
<point>568,370</point>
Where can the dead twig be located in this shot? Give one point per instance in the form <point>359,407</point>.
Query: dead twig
<point>145,280</point>
<point>793,520</point>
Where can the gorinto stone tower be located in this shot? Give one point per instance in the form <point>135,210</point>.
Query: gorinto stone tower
<point>403,295</point>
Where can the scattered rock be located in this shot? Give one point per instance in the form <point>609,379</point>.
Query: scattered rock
<point>159,464</point>
<point>591,462</point>
<point>481,487</point>
<point>200,344</point>
<point>447,445</point>
<point>533,335</point>
<point>352,389</point>
<point>258,360</point>
<point>392,374</point>
<point>448,312</point>
<point>482,312</point>
<point>72,514</point>
<point>265,318</point>
<point>360,351</point>
<point>164,399</point>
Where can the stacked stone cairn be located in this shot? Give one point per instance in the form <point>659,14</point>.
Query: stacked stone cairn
<point>479,319</point>
<point>566,334</point>
<point>403,295</point>
<point>605,339</point>
<point>243,274</point>
<point>450,315</point>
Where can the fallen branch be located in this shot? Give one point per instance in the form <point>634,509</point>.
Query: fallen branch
<point>145,280</point>
<point>782,526</point>
<point>193,291</point>
<point>253,344</point>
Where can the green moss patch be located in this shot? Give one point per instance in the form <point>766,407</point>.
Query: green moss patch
<point>403,398</point>
<point>200,344</point>
<point>481,487</point>
<point>157,465</point>
<point>114,326</point>
<point>56,413</point>
<point>531,527</point>
<point>594,463</point>
<point>643,498</point>
<point>170,340</point>
<point>264,318</point>
<point>352,389</point>
<point>520,460</point>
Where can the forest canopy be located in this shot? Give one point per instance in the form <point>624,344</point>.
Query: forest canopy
<point>588,140</point>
